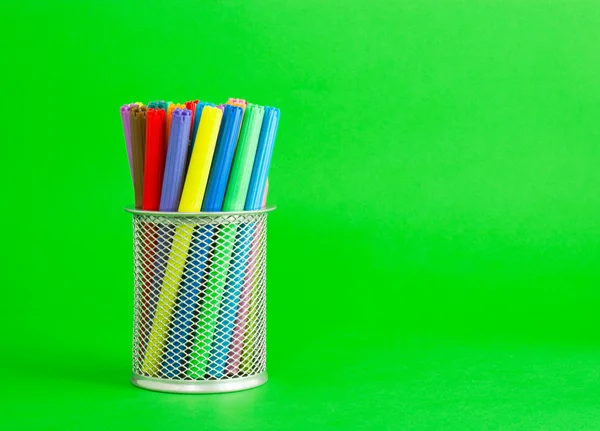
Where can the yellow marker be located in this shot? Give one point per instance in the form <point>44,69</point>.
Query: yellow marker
<point>191,201</point>
<point>202,155</point>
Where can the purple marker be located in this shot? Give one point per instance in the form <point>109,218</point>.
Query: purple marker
<point>176,159</point>
<point>127,130</point>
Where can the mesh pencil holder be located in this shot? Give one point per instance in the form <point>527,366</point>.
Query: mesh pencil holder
<point>200,301</point>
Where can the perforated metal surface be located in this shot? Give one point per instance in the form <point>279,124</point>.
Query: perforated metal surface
<point>200,296</point>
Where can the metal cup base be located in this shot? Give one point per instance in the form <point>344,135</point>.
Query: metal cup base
<point>199,387</point>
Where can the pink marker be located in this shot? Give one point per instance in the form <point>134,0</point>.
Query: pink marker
<point>239,328</point>
<point>237,102</point>
<point>264,202</point>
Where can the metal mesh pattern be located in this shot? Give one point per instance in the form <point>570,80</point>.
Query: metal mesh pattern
<point>200,296</point>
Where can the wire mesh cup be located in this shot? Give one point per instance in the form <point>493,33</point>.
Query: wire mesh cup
<point>199,301</point>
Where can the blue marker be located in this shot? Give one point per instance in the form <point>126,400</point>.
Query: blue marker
<point>223,159</point>
<point>262,160</point>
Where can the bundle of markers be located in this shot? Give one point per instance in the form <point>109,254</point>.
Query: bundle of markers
<point>189,158</point>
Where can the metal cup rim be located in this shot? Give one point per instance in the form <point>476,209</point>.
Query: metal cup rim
<point>174,214</point>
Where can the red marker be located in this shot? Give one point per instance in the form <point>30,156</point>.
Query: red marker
<point>191,105</point>
<point>156,152</point>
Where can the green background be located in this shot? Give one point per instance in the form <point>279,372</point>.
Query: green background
<point>434,259</point>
